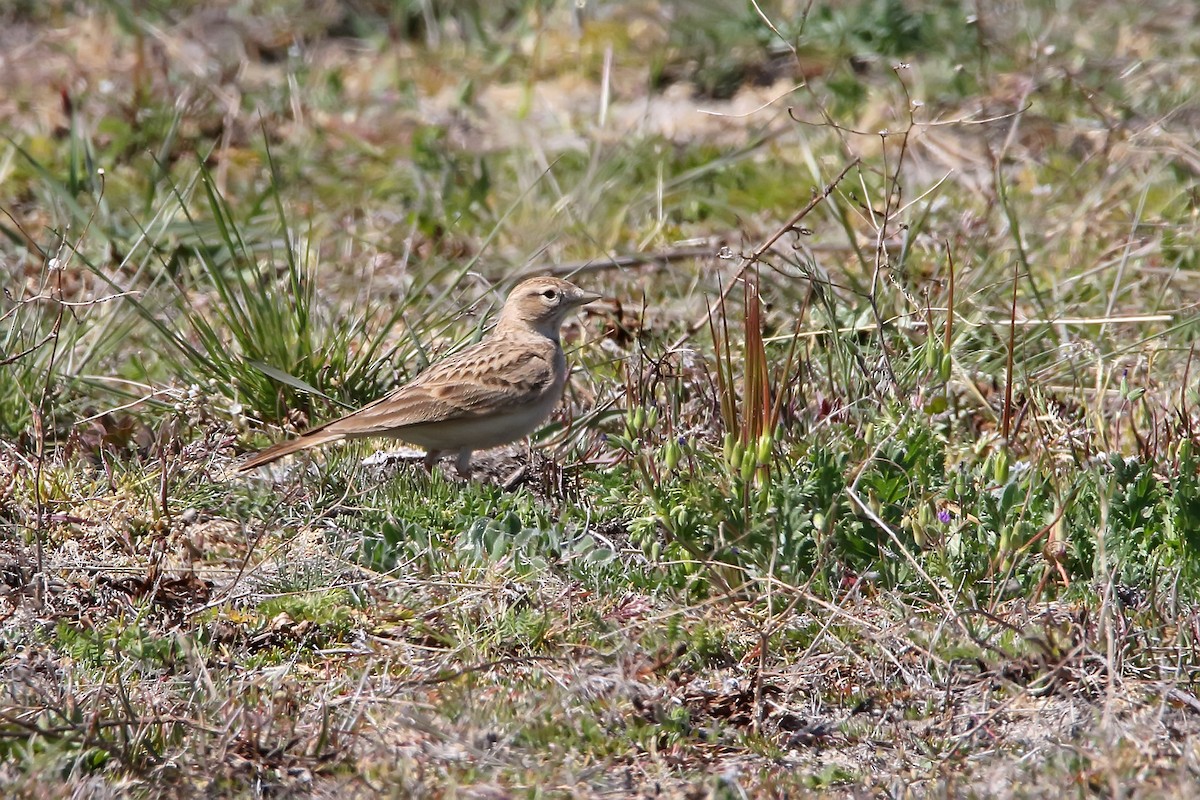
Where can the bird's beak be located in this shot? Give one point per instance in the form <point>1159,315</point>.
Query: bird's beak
<point>583,298</point>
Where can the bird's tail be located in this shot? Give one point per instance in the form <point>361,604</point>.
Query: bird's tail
<point>277,451</point>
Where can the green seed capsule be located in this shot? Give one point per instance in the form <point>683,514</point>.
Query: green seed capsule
<point>748,467</point>
<point>933,354</point>
<point>671,454</point>
<point>918,532</point>
<point>944,370</point>
<point>736,455</point>
<point>764,448</point>
<point>680,516</point>
<point>1000,467</point>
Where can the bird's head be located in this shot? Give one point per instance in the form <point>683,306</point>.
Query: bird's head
<point>542,304</point>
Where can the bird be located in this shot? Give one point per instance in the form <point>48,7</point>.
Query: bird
<point>492,393</point>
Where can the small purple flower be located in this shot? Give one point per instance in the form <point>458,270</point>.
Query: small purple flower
<point>943,515</point>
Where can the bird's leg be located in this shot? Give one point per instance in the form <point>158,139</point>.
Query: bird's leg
<point>463,462</point>
<point>431,458</point>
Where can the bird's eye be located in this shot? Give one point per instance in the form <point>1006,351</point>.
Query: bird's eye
<point>549,294</point>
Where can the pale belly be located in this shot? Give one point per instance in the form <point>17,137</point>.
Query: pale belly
<point>479,434</point>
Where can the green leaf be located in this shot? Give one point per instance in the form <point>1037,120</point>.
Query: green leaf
<point>292,380</point>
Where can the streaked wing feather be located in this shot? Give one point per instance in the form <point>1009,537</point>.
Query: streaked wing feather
<point>486,379</point>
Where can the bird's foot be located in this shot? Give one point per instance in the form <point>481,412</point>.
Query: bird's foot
<point>463,464</point>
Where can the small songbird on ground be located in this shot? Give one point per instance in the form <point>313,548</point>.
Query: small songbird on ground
<point>490,394</point>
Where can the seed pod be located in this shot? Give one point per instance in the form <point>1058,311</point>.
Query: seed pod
<point>764,448</point>
<point>1000,466</point>
<point>671,454</point>
<point>918,532</point>
<point>748,467</point>
<point>679,515</point>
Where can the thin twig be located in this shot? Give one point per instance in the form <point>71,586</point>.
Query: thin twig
<point>758,252</point>
<point>657,258</point>
<point>1006,416</point>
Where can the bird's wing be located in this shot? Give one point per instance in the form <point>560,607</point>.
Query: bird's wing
<point>488,379</point>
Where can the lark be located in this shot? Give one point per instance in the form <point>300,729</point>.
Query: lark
<point>492,393</point>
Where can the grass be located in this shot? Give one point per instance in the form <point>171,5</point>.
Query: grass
<point>892,489</point>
